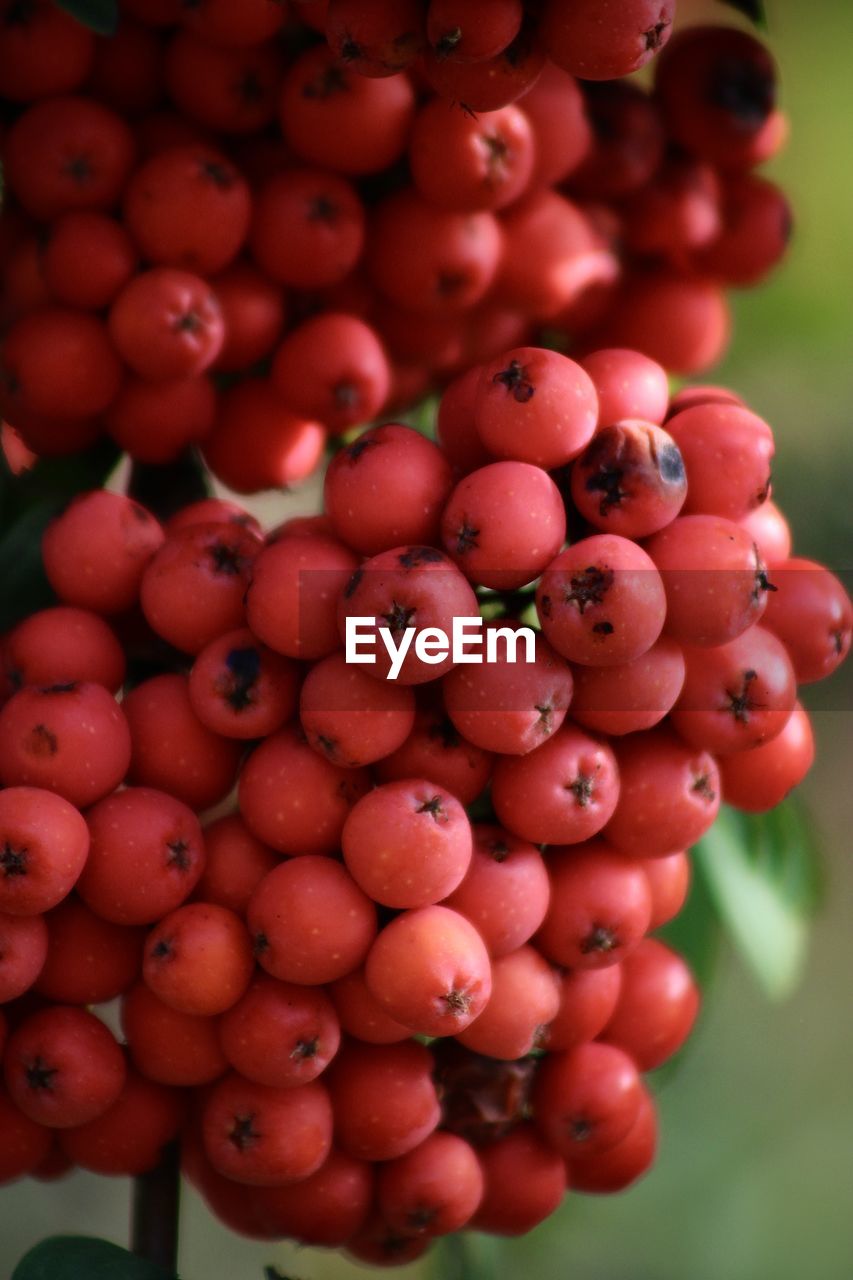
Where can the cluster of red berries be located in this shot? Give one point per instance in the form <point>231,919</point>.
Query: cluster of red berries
<point>222,232</point>
<point>373,1019</point>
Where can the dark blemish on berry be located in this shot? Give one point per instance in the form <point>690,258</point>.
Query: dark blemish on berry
<point>352,585</point>
<point>42,742</point>
<point>702,787</point>
<point>244,668</point>
<point>599,941</point>
<point>582,788</point>
<point>260,945</point>
<point>743,91</point>
<point>328,746</point>
<point>305,1049</point>
<point>580,1129</point>
<point>421,1218</point>
<point>330,81</point>
<point>435,808</point>
<point>607,481</point>
<point>466,537</point>
<point>450,283</point>
<point>39,1076</point>
<point>604,628</point>
<point>671,464</point>
<point>345,395</point>
<point>514,378</point>
<point>78,169</point>
<point>244,1134</point>
<point>350,49</point>
<point>740,703</point>
<point>444,730</point>
<point>545,723</point>
<point>399,617</point>
<point>68,687</point>
<point>653,36</point>
<point>13,862</point>
<point>179,854</point>
<point>589,587</point>
<point>221,175</point>
<point>545,607</point>
<point>189,322</point>
<point>498,850</point>
<point>458,1002</point>
<point>323,208</point>
<point>163,948</point>
<point>415,556</point>
<point>447,42</point>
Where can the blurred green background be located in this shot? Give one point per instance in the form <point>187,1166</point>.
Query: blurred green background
<point>755,1175</point>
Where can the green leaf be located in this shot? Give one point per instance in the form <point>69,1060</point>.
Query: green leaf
<point>763,874</point>
<point>752,9</point>
<point>696,932</point>
<point>100,15</point>
<point>85,1258</point>
<point>25,587</point>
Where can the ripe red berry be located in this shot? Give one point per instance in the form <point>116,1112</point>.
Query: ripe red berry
<point>145,857</point>
<point>430,970</point>
<point>333,367</point>
<point>264,1136</point>
<point>44,844</point>
<point>240,688</point>
<point>657,1005</point>
<point>630,479</point>
<point>129,1138</point>
<point>562,793</point>
<point>587,1099</point>
<point>292,599</point>
<point>812,615</point>
<point>88,259</point>
<point>758,780</point>
<point>310,921</point>
<point>433,1189</point>
<point>600,907</point>
<point>377,38</point>
<point>628,385</point>
<point>436,751</point>
<point>43,52</point>
<point>235,863</point>
<point>407,844</point>
<point>606,39</point>
<point>727,453</point>
<point>632,696</point>
<point>505,891</point>
<point>166,324</point>
<point>89,959</point>
<point>605,1172</point>
<point>525,998</point>
<point>471,162</point>
<point>168,1046</point>
<point>198,959</point>
<point>23,950</point>
<point>63,1067</point>
<point>384,1098</point>
<point>524,1182</point>
<point>280,1034</point>
<point>587,1000</point>
<point>535,406</point>
<point>307,228</point>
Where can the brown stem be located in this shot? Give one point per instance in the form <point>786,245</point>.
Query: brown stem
<point>154,1214</point>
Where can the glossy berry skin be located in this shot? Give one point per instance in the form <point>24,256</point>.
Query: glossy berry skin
<point>727,454</point>
<point>602,601</point>
<point>95,552</point>
<point>324,220</point>
<point>630,479</point>
<point>587,1099</point>
<point>556,109</point>
<point>63,1067</point>
<point>235,863</point>
<point>624,1163</point>
<point>632,696</point>
<point>188,207</point>
<point>69,738</point>
<point>275,782</point>
<point>23,950</point>
<point>510,707</point>
<point>430,970</point>
<point>812,615</point>
<point>292,600</point>
<point>669,794</point>
<point>657,1005</point>
<point>254,311</point>
<point>192,591</point>
<point>771,532</point>
<point>525,997</point>
<point>628,385</point>
<point>535,406</point>
<point>437,751</point>
<point>503,524</point>
<point>737,695</point>
<point>384,1098</point>
<point>468,163</point>
<point>669,882</point>
<point>431,260</point>
<point>198,959</point>
<point>361,1015</point>
<point>407,844</point>
<point>334,117</point>
<point>378,39</point>
<point>561,793</point>
<point>310,922</point>
<point>44,843</point>
<point>350,718</point>
<point>758,780</point>
<point>606,39</point>
<point>364,481</point>
<point>717,86</point>
<point>506,890</point>
<point>587,1000</point>
<point>280,1034</point>
<point>454,426</point>
<point>167,323</point>
<point>241,689</point>
<point>145,857</point>
<point>334,368</point>
<point>600,907</point>
<point>432,1190</point>
<point>474,30</point>
<point>155,421</point>
<point>263,1136</point>
<point>168,1046</point>
<point>490,83</point>
<point>89,959</point>
<point>129,1138</point>
<point>715,580</point>
<point>284,447</point>
<point>524,1182</point>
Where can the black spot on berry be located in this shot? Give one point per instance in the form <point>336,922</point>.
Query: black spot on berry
<point>352,585</point>
<point>671,464</point>
<point>415,556</point>
<point>515,378</point>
